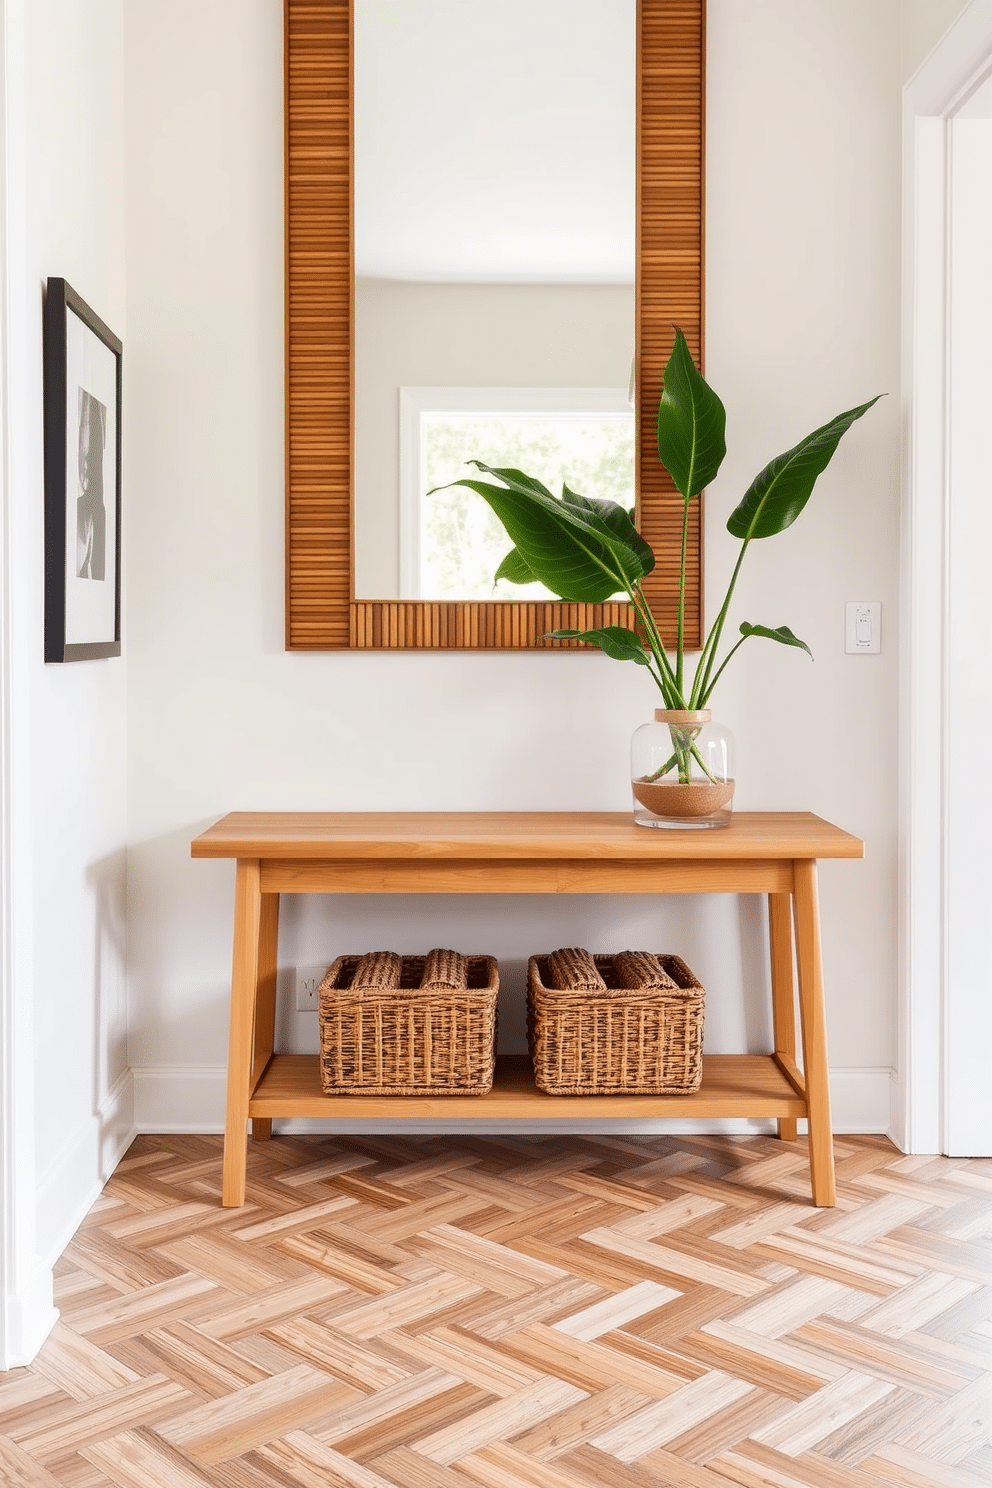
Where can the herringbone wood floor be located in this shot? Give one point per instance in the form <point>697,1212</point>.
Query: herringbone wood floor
<point>524,1312</point>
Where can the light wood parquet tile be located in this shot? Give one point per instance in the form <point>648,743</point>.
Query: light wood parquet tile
<point>590,1366</point>
<point>908,1469</point>
<point>458,1351</point>
<point>912,1364</point>
<point>447,1408</point>
<point>18,1469</point>
<point>300,1459</point>
<point>499,1420</point>
<point>736,1422</point>
<point>64,1429</point>
<point>744,1360</point>
<point>754,1465</point>
<point>617,1310</point>
<point>26,1395</point>
<point>233,1424</point>
<point>666,1359</point>
<point>979,1462</point>
<point>892,1415</point>
<point>502,1465</point>
<point>661,1422</point>
<point>519,1312</point>
<point>77,1366</point>
<point>551,1304</point>
<point>558,1434</point>
<point>204,1366</point>
<point>805,1424</point>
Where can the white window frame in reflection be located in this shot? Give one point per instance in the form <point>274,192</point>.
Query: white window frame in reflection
<point>418,404</point>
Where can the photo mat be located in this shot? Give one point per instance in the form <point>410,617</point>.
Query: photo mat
<point>82,480</point>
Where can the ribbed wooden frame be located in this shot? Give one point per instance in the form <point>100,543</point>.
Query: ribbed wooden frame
<point>321,611</point>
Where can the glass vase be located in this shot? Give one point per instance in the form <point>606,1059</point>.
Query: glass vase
<point>682,771</point>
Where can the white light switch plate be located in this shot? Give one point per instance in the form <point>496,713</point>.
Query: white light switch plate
<point>863,627</point>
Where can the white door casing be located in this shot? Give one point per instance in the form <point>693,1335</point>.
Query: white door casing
<point>946,692</point>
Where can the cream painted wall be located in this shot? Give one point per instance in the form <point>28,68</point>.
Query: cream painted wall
<point>803,182</point>
<point>924,22</point>
<point>63,170</point>
<point>465,335</point>
<point>75,228</point>
<point>802,320</point>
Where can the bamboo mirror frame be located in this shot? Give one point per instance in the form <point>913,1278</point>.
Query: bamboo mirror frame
<point>321,610</point>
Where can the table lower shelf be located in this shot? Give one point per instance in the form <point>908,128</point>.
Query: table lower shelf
<point>733,1085</point>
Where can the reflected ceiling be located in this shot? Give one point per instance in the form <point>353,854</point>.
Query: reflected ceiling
<point>495,140</point>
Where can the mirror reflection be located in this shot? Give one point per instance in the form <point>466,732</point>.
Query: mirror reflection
<point>494,262</point>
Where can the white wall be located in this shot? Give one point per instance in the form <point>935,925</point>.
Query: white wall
<point>924,22</point>
<point>64,168</point>
<point>464,335</point>
<point>802,317</point>
<point>803,181</point>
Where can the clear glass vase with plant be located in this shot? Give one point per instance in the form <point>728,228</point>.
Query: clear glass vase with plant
<point>588,550</point>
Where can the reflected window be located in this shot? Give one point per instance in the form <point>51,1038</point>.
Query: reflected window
<point>451,543</point>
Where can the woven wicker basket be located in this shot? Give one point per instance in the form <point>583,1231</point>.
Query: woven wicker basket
<point>617,1039</point>
<point>404,1034</point>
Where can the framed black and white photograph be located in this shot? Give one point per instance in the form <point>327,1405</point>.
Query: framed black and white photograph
<point>82,480</point>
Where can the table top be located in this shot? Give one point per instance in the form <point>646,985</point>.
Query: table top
<point>557,835</point>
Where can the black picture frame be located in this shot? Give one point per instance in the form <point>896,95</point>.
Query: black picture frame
<point>83,385</point>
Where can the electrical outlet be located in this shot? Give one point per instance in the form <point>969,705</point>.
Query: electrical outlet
<point>308,979</point>
<point>863,627</point>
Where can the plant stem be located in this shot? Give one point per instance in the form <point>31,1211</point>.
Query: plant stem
<point>657,774</point>
<point>703,766</point>
<point>675,758</point>
<point>701,683</point>
<point>670,692</point>
<point>712,685</point>
<point>681,635</point>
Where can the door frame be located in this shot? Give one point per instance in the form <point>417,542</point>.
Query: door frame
<point>956,68</point>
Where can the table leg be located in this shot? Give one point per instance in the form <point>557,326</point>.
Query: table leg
<point>265,1004</point>
<point>783,992</point>
<point>814,1033</point>
<point>244,982</point>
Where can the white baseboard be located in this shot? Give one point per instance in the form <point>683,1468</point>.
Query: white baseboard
<point>192,1100</point>
<point>861,1101</point>
<point>29,1316</point>
<point>172,1098</point>
<point>72,1184</point>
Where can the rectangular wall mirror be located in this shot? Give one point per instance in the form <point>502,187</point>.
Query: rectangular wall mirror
<point>494,219</point>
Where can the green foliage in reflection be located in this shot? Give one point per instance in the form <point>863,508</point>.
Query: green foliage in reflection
<point>462,540</point>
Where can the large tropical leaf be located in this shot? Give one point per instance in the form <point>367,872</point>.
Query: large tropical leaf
<point>691,423</point>
<point>514,569</point>
<point>777,496</point>
<point>578,550</point>
<point>615,519</point>
<point>616,640</point>
<point>783,634</point>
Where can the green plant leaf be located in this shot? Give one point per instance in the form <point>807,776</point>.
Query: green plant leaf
<point>783,634</point>
<point>777,496</point>
<point>692,423</point>
<point>512,478</point>
<point>578,549</point>
<point>615,520</point>
<point>514,569</point>
<point>616,640</point>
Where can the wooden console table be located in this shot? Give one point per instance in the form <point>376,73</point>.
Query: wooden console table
<point>771,853</point>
